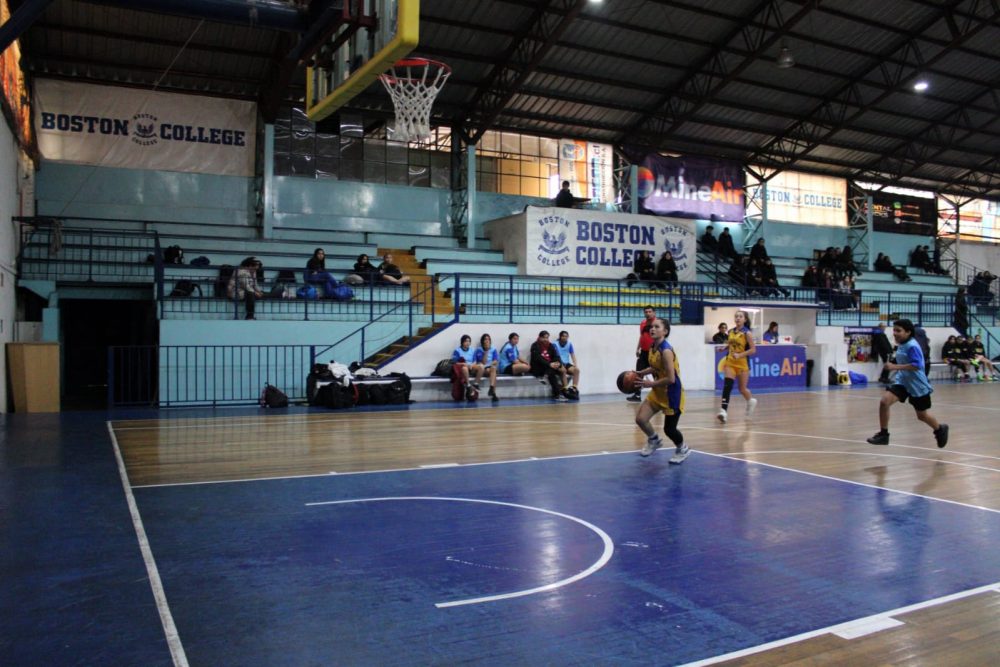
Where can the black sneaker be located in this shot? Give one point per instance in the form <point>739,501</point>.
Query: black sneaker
<point>941,435</point>
<point>882,438</point>
<point>634,398</point>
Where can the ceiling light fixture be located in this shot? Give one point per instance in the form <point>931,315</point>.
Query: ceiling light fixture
<point>785,58</point>
<point>921,85</point>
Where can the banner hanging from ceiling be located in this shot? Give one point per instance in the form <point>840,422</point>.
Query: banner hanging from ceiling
<point>140,129</point>
<point>691,187</point>
<point>903,215</point>
<point>588,167</point>
<point>804,198</point>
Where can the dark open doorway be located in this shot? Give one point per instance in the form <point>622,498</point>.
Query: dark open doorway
<point>89,327</point>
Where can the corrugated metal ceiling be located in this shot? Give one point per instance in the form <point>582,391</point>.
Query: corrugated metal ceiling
<point>682,76</point>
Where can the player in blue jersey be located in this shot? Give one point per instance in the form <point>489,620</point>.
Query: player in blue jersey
<point>667,395</point>
<point>487,360</point>
<point>910,383</point>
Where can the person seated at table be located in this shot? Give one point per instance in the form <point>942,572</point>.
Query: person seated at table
<point>721,336</point>
<point>771,335</point>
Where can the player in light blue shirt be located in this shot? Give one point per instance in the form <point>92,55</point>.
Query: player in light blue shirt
<point>910,383</point>
<point>567,355</point>
<point>487,361</point>
<point>511,362</point>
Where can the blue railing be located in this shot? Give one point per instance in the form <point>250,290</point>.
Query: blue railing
<point>52,252</point>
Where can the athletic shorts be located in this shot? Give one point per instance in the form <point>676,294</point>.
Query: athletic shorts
<point>508,371</point>
<point>919,403</point>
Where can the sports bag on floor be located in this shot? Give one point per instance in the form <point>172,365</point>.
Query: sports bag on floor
<point>272,397</point>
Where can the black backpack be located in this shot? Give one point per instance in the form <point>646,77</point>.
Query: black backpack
<point>201,261</point>
<point>398,393</point>
<point>185,288</point>
<point>320,373</point>
<point>173,255</point>
<point>272,397</point>
<point>222,282</point>
<point>286,276</point>
<point>443,369</point>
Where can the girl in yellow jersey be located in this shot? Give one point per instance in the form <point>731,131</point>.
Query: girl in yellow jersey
<point>735,365</point>
<point>667,394</point>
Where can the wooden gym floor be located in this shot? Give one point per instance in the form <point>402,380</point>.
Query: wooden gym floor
<point>522,533</point>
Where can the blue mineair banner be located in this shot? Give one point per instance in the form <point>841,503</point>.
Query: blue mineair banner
<point>772,366</point>
<point>597,244</point>
<point>691,187</point>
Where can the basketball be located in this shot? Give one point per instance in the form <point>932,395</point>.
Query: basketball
<point>627,381</point>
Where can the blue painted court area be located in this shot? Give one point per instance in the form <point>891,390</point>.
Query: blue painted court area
<point>709,557</point>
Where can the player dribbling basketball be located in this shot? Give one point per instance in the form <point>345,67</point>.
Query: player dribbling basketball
<point>667,394</point>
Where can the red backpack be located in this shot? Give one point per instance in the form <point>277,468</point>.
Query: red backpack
<point>459,391</point>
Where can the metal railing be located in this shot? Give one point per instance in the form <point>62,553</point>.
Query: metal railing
<point>51,252</point>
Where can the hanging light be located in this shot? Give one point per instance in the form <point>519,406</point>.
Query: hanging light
<point>785,58</point>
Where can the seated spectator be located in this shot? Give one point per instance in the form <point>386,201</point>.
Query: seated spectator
<point>464,358</point>
<point>487,360</point>
<point>642,269</point>
<point>721,336</point>
<point>952,353</point>
<point>565,198</point>
<point>726,247</point>
<point>364,272</point>
<point>758,251</point>
<point>845,296</point>
<point>884,264</point>
<point>769,278</point>
<point>919,257</point>
<point>979,288</point>
<point>978,354</point>
<point>567,355</point>
<point>545,363</point>
<point>316,273</point>
<point>738,271</point>
<point>810,277</point>
<point>666,268</point>
<point>845,262</point>
<point>390,273</point>
<point>709,243</point>
<point>771,336</point>
<point>828,260</point>
<point>511,362</point>
<point>243,285</point>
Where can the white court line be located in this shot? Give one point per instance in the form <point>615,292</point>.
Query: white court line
<point>609,547</point>
<point>843,626</point>
<point>939,403</point>
<point>166,618</point>
<point>856,483</point>
<point>381,471</point>
<point>880,454</point>
<point>313,418</point>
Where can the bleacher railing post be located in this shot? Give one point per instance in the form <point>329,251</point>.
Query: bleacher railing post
<point>90,257</point>
<point>111,376</point>
<point>618,309</point>
<point>458,297</point>
<point>371,298</point>
<point>363,355</point>
<point>920,308</point>
<point>562,298</point>
<point>510,299</point>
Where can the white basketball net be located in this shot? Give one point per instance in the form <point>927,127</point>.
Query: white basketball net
<point>413,84</point>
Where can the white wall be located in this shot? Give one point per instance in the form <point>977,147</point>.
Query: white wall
<point>9,206</point>
<point>983,255</point>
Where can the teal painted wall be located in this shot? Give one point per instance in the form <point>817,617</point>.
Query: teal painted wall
<point>100,192</point>
<point>351,206</point>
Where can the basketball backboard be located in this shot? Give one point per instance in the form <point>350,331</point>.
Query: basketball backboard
<point>373,36</point>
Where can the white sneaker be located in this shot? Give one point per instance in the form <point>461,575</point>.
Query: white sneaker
<point>650,447</point>
<point>751,406</point>
<point>680,454</point>
<point>722,416</point>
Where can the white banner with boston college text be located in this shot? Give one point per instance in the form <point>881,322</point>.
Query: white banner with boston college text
<point>596,244</point>
<point>141,129</point>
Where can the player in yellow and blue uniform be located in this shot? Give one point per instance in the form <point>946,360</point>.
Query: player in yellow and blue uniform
<point>735,366</point>
<point>667,395</point>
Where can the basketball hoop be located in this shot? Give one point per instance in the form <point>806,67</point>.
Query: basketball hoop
<point>413,83</point>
